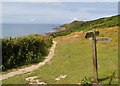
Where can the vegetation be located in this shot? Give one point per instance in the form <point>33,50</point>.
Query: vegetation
<point>74,24</point>
<point>24,50</point>
<point>77,26</point>
<point>73,57</point>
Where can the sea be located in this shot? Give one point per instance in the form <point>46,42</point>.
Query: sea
<point>16,30</point>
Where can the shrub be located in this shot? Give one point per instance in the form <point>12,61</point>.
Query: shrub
<point>23,50</point>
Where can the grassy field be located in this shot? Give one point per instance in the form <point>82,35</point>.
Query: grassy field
<point>73,57</point>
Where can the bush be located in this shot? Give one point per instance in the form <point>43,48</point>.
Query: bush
<point>24,50</point>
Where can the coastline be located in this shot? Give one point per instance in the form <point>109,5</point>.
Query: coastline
<point>18,30</point>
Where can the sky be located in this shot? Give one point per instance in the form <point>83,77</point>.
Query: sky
<point>55,12</point>
<point>59,0</point>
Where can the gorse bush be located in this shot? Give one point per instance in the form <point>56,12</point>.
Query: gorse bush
<point>24,50</point>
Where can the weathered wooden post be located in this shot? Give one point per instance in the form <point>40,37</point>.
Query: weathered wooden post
<point>93,35</point>
<point>95,68</point>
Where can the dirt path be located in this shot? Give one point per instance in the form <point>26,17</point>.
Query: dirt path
<point>33,67</point>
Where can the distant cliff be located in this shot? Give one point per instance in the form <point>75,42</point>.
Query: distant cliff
<point>77,26</point>
<point>71,25</point>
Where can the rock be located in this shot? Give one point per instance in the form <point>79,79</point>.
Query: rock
<point>43,83</point>
<point>57,79</point>
<point>61,77</point>
<point>33,80</point>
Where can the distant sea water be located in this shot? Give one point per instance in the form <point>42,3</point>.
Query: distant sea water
<point>16,30</point>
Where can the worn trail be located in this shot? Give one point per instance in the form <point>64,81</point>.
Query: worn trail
<point>31,68</point>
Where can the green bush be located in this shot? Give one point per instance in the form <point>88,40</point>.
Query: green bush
<point>24,50</point>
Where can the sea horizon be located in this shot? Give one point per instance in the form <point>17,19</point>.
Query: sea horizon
<point>16,30</point>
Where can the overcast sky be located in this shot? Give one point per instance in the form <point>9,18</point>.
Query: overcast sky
<point>59,0</point>
<point>55,12</point>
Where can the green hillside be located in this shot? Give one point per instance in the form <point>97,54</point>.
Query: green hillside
<point>73,56</point>
<point>88,25</point>
<point>74,24</point>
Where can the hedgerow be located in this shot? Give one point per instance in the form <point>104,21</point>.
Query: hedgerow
<point>24,50</point>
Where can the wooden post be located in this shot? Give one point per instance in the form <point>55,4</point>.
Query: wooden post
<point>95,68</point>
<point>93,35</point>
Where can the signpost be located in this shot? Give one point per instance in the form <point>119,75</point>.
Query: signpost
<point>93,35</point>
<point>104,39</point>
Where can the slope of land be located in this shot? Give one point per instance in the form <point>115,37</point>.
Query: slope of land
<point>73,58</point>
<point>77,26</point>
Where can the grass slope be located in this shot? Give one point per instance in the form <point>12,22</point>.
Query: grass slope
<point>73,58</point>
<point>77,26</point>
